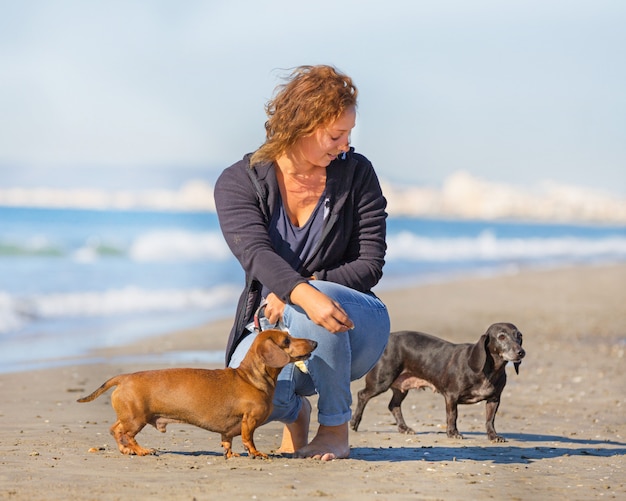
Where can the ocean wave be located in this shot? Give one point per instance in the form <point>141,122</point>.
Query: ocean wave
<point>95,248</point>
<point>150,246</point>
<point>11,318</point>
<point>407,246</point>
<point>179,245</point>
<point>16,312</point>
<point>34,246</point>
<point>461,195</point>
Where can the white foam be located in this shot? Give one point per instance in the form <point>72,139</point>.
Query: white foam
<point>151,246</point>
<point>10,318</point>
<point>129,300</point>
<point>17,312</point>
<point>179,246</point>
<point>487,247</point>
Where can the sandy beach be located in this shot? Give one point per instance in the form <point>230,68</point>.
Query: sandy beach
<point>564,415</point>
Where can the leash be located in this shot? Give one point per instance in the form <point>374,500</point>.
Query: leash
<point>259,313</point>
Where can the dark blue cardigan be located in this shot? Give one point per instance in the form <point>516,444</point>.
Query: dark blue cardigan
<point>352,248</point>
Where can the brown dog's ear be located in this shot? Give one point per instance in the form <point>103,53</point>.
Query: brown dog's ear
<point>272,355</point>
<point>478,354</point>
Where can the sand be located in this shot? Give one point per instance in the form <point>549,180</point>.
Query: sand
<point>564,415</point>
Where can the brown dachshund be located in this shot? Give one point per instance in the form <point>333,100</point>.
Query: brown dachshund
<point>227,401</point>
<point>462,373</point>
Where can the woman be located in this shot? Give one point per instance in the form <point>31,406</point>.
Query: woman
<point>305,217</point>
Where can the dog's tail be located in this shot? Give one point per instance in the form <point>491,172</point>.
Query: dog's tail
<point>114,381</point>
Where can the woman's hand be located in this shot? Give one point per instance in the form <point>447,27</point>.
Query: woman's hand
<point>320,308</point>
<point>274,308</point>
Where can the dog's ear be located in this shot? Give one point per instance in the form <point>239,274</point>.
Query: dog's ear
<point>478,354</point>
<point>517,364</point>
<point>273,355</point>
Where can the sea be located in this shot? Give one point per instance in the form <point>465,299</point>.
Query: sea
<point>74,280</point>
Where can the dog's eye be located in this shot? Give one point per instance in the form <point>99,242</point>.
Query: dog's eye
<point>501,336</point>
<point>287,342</point>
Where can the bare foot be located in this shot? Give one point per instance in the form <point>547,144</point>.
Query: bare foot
<point>296,434</point>
<point>331,442</point>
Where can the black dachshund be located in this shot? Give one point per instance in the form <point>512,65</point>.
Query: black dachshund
<point>462,373</point>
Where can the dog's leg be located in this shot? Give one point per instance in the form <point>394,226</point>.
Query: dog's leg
<point>377,381</point>
<point>451,417</point>
<point>396,409</point>
<point>126,442</point>
<point>131,419</point>
<point>227,443</point>
<point>364,396</point>
<point>491,408</point>
<point>248,425</point>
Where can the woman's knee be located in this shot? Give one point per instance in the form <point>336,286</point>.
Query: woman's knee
<point>368,341</point>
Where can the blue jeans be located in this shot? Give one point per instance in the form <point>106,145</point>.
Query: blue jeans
<point>337,360</point>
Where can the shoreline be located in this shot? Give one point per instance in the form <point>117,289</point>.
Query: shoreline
<point>165,350</point>
<point>562,415</point>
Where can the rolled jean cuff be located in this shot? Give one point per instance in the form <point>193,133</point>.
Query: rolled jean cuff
<point>334,420</point>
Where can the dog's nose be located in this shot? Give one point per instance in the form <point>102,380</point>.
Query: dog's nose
<point>521,353</point>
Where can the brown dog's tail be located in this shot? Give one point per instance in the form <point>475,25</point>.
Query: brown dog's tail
<point>114,381</point>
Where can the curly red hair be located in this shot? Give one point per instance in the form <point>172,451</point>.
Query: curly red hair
<point>312,96</point>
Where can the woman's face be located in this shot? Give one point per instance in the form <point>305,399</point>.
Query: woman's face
<point>329,141</point>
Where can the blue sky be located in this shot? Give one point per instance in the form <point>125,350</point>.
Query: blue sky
<point>149,92</point>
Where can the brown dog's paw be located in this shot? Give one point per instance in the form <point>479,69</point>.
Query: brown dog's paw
<point>146,452</point>
<point>136,451</point>
<point>498,439</point>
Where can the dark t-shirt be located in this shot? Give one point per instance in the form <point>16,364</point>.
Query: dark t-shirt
<point>295,244</point>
